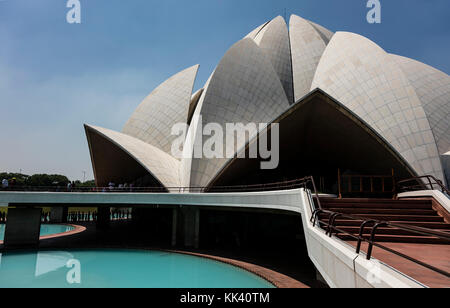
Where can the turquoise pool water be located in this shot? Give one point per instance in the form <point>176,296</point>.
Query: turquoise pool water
<point>120,269</point>
<point>45,230</point>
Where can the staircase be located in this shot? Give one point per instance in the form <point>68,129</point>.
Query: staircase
<point>418,213</point>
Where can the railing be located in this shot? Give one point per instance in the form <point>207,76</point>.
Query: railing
<point>307,183</point>
<point>331,228</point>
<point>426,182</point>
<point>366,183</point>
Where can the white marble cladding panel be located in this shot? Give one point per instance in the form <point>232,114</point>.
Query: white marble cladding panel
<point>367,80</point>
<point>166,106</point>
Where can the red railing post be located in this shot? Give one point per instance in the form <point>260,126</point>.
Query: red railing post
<point>339,183</point>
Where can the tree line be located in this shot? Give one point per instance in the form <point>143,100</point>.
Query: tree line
<point>42,180</point>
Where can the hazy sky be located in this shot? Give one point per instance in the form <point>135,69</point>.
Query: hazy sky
<point>55,76</point>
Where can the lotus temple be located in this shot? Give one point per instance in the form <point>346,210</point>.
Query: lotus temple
<point>359,196</point>
<point>341,101</point>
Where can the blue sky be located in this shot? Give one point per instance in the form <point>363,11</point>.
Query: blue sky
<point>55,76</point>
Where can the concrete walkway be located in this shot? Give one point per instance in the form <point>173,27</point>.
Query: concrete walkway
<point>434,255</point>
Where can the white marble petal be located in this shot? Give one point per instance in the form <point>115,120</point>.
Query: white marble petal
<point>159,164</point>
<point>433,88</point>
<point>166,106</point>
<point>307,47</point>
<point>369,82</point>
<point>243,89</point>
<point>273,39</point>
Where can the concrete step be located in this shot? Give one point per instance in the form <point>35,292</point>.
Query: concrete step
<point>423,224</point>
<point>373,200</point>
<point>384,231</point>
<point>400,218</point>
<point>362,211</point>
<point>399,239</point>
<point>411,212</point>
<point>378,206</point>
<point>376,203</point>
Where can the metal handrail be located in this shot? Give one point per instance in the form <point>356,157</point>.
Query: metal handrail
<point>331,228</point>
<point>293,184</point>
<point>427,182</point>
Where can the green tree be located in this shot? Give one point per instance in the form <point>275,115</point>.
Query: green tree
<point>42,180</point>
<point>47,180</point>
<point>86,184</point>
<point>21,179</point>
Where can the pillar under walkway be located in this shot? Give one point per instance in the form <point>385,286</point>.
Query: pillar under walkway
<point>186,227</point>
<point>23,228</point>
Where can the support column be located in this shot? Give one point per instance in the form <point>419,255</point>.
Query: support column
<point>103,217</point>
<point>23,228</point>
<point>58,214</point>
<point>174,227</point>
<point>191,226</point>
<point>135,215</point>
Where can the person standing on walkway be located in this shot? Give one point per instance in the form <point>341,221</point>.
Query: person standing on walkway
<point>12,183</point>
<point>5,184</point>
